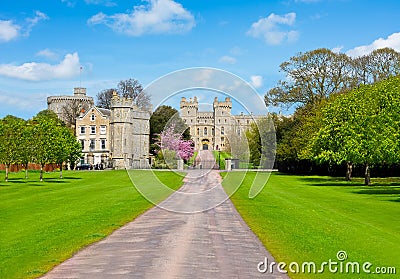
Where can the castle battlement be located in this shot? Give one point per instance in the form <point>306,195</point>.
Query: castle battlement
<point>192,103</point>
<point>117,101</point>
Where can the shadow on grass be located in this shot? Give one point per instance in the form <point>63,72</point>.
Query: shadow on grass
<point>329,182</point>
<point>379,190</point>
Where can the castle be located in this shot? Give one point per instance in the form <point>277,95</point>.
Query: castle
<point>212,129</point>
<point>117,137</point>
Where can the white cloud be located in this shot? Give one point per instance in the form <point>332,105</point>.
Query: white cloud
<point>337,49</point>
<point>256,81</point>
<point>47,53</point>
<point>8,30</point>
<point>227,59</point>
<point>39,16</point>
<point>392,41</point>
<point>158,16</point>
<point>33,71</point>
<point>270,29</point>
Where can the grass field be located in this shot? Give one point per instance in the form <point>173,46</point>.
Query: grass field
<point>44,223</point>
<point>312,218</point>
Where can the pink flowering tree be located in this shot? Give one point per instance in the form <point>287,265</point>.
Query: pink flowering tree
<point>173,145</point>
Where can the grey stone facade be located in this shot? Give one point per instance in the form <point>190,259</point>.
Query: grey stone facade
<point>130,134</point>
<point>57,103</point>
<point>212,129</point>
<point>117,138</point>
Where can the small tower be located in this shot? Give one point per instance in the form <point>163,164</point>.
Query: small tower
<point>130,131</point>
<point>222,121</point>
<point>189,111</point>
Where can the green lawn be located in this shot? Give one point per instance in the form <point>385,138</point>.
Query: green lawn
<point>312,218</point>
<point>44,223</point>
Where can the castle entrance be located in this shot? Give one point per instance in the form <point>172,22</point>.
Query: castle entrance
<point>205,143</point>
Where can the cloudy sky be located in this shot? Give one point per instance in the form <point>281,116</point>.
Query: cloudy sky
<point>48,47</point>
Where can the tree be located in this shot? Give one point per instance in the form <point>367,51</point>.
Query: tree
<point>361,127</point>
<point>104,98</point>
<point>26,148</point>
<point>130,88</point>
<point>11,128</point>
<point>380,64</point>
<point>45,137</point>
<point>262,142</point>
<point>67,148</point>
<point>169,141</point>
<point>162,118</point>
<point>311,77</point>
<point>71,111</point>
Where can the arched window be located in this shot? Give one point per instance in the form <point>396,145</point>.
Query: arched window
<point>222,131</point>
<point>213,131</point>
<point>198,131</point>
<point>205,131</point>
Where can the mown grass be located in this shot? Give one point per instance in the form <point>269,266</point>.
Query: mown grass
<point>44,223</point>
<point>312,218</point>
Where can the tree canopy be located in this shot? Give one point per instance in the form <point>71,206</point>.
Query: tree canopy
<point>361,127</point>
<point>130,88</point>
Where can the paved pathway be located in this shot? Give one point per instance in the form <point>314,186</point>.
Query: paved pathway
<point>164,244</point>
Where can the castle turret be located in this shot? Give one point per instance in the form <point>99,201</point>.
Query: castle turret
<point>129,134</point>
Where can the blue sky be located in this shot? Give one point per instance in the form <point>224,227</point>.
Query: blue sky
<point>44,43</point>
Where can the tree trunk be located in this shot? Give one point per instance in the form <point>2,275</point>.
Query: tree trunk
<point>367,180</point>
<point>41,172</point>
<point>26,170</point>
<point>7,166</point>
<point>61,166</point>
<point>349,170</point>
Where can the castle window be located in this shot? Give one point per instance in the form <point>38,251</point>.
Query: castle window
<point>191,120</point>
<point>213,131</point>
<point>92,145</point>
<point>238,132</point>
<point>188,112</point>
<point>83,130</point>
<point>205,131</point>
<point>222,139</point>
<point>248,121</point>
<point>219,120</point>
<point>222,113</point>
<point>103,129</point>
<point>92,117</point>
<point>92,130</point>
<point>83,144</point>
<point>225,120</point>
<point>103,144</point>
<point>198,131</point>
<point>222,131</point>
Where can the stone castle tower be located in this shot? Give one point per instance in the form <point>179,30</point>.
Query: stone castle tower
<point>59,103</point>
<point>129,134</point>
<point>211,129</point>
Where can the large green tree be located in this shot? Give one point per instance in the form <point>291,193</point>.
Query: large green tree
<point>361,127</point>
<point>11,128</point>
<point>311,77</point>
<point>45,138</point>
<point>67,149</point>
<point>262,142</point>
